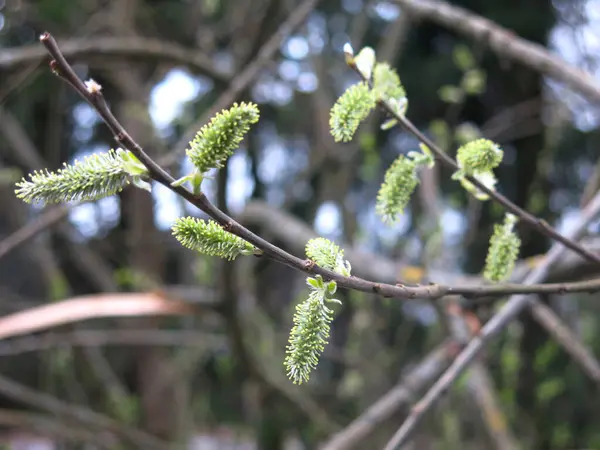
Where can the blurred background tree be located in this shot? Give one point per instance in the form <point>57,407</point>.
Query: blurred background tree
<point>218,375</point>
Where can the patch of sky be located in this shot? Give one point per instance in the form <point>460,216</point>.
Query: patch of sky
<point>85,118</point>
<point>289,70</point>
<point>296,47</point>
<point>353,6</point>
<point>94,219</point>
<point>170,95</point>
<point>307,82</point>
<point>239,181</point>
<point>578,42</point>
<point>387,11</point>
<point>328,220</point>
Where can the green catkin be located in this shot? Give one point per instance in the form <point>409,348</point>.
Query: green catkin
<point>399,183</point>
<point>503,251</point>
<point>209,238</point>
<point>216,141</point>
<point>352,108</point>
<point>97,176</point>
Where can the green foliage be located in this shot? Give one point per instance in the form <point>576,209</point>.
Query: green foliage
<point>328,255</point>
<point>503,251</point>
<point>209,238</point>
<point>463,58</point>
<point>473,82</point>
<point>451,94</point>
<point>399,183</point>
<point>311,330</point>
<point>353,106</point>
<point>216,141</point>
<point>97,176</point>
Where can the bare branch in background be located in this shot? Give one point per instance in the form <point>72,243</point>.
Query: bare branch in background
<point>90,307</point>
<point>508,312</point>
<point>122,46</point>
<point>25,395</point>
<point>429,369</point>
<point>505,43</point>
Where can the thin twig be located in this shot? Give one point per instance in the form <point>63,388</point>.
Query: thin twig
<point>119,46</point>
<point>32,229</point>
<point>24,394</point>
<point>505,43</point>
<point>494,326</point>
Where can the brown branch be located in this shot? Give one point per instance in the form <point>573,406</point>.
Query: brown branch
<point>53,428</point>
<point>493,327</point>
<point>121,46</point>
<point>414,381</point>
<point>90,307</point>
<point>505,43</point>
<point>103,338</point>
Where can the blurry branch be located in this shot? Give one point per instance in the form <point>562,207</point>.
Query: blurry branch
<point>414,381</point>
<point>90,307</point>
<point>295,233</point>
<point>103,338</point>
<point>59,409</point>
<point>561,332</point>
<point>497,323</point>
<point>32,229</point>
<point>122,46</point>
<point>242,80</point>
<point>504,42</point>
<point>56,429</point>
<point>480,385</point>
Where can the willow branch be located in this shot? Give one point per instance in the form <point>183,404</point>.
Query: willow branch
<point>95,98</point>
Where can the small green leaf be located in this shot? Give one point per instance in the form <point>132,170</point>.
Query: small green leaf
<point>316,283</point>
